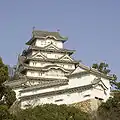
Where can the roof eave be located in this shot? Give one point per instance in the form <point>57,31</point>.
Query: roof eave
<point>94,71</point>
<point>30,41</point>
<point>35,37</point>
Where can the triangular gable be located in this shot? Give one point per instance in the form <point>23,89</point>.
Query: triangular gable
<point>78,70</point>
<point>39,55</point>
<point>66,58</point>
<point>98,82</point>
<point>52,47</point>
<point>51,37</point>
<point>103,85</point>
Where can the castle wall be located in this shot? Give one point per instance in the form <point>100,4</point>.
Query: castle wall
<point>68,98</point>
<point>57,74</point>
<point>96,91</point>
<point>80,80</point>
<point>80,86</point>
<point>99,90</point>
<point>43,64</point>
<point>43,43</point>
<point>43,90</point>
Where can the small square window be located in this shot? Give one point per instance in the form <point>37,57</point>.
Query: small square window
<point>32,73</point>
<point>34,63</point>
<point>40,74</point>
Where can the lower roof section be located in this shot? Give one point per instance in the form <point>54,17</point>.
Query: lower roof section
<point>58,92</point>
<point>46,68</point>
<point>44,85</point>
<point>51,60</point>
<point>43,78</point>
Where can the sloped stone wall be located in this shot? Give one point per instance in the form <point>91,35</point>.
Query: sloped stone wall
<point>90,106</point>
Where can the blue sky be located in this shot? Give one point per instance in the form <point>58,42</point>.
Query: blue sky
<point>92,26</point>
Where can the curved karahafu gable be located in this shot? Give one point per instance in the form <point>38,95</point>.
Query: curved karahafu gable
<point>46,68</point>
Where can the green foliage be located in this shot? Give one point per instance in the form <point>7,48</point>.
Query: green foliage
<point>117,85</point>
<point>52,112</point>
<point>102,67</point>
<point>10,96</point>
<point>4,113</point>
<point>111,109</point>
<point>3,72</point>
<point>7,96</point>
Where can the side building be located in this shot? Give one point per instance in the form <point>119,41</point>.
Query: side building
<point>49,74</point>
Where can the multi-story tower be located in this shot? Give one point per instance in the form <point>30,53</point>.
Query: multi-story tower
<point>48,74</point>
<point>46,61</point>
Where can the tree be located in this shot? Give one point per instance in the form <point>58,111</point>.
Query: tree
<point>111,109</point>
<point>52,112</point>
<point>104,68</point>
<point>7,96</point>
<point>3,72</point>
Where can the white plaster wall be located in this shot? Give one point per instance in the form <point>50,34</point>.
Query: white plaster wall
<point>38,64</point>
<point>43,43</point>
<point>43,64</point>
<point>80,80</point>
<point>85,80</point>
<point>46,74</point>
<point>67,66</point>
<point>99,93</point>
<point>32,73</point>
<point>78,70</point>
<point>43,90</point>
<point>73,82</point>
<point>52,55</point>
<point>67,98</point>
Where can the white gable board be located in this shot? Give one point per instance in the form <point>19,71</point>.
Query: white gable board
<point>52,47</point>
<point>39,55</point>
<point>66,58</point>
<point>77,70</point>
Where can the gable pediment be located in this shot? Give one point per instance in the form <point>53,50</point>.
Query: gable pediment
<point>66,58</point>
<point>78,70</point>
<point>97,82</point>
<point>50,37</point>
<point>39,55</point>
<point>51,47</point>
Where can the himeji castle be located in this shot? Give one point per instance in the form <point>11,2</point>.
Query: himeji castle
<point>49,74</point>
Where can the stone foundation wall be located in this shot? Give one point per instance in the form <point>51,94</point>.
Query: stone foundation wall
<point>89,106</point>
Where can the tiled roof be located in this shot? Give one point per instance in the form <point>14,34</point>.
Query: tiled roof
<point>46,68</point>
<point>47,33</point>
<point>92,71</point>
<point>43,49</point>
<point>63,91</point>
<point>15,83</point>
<point>52,60</point>
<point>44,34</point>
<point>46,84</point>
<point>43,78</point>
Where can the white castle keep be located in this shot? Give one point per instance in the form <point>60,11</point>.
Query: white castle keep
<point>48,74</point>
